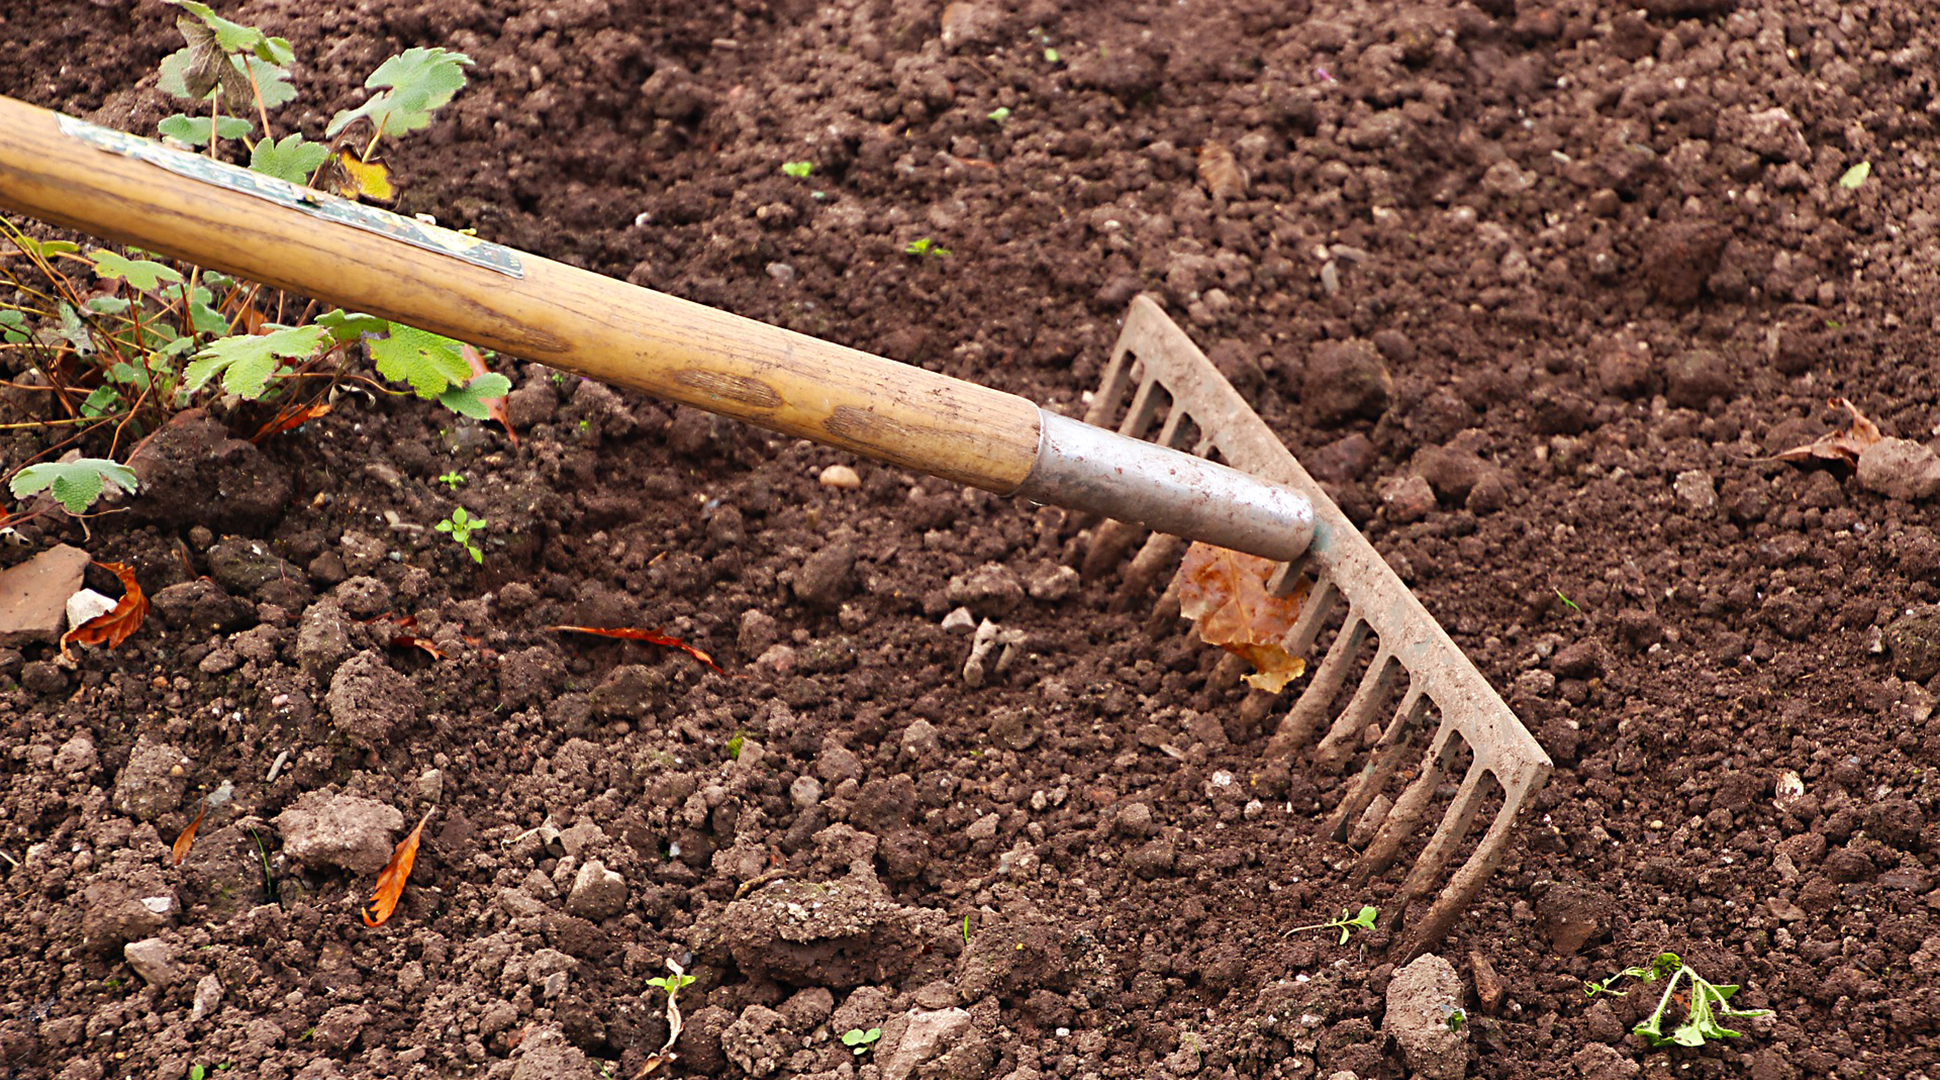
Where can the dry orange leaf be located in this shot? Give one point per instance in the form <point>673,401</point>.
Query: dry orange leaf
<point>651,637</point>
<point>291,417</point>
<point>113,627</point>
<point>186,841</point>
<point>495,407</point>
<point>390,881</point>
<point>1224,593</point>
<point>1221,172</point>
<point>1837,445</point>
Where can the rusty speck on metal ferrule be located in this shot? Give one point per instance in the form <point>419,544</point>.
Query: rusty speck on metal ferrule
<point>1086,468</point>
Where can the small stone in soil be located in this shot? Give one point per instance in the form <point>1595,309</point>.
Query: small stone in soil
<point>1421,998</point>
<point>597,892</point>
<point>154,960</point>
<point>839,476</point>
<point>33,595</point>
<point>1900,469</point>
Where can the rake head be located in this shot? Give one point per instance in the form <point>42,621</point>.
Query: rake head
<point>1409,677</point>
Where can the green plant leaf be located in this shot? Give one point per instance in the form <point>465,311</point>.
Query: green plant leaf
<point>230,36</point>
<point>77,484</point>
<point>469,399</point>
<point>13,326</point>
<point>289,158</point>
<point>141,273</point>
<point>194,130</point>
<point>428,362</point>
<point>797,169</point>
<point>107,305</point>
<point>1856,175</point>
<point>345,326</point>
<point>246,361</point>
<point>101,401</point>
<point>420,81</point>
<point>272,82</point>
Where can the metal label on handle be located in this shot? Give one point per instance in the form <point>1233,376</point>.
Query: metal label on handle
<point>318,204</point>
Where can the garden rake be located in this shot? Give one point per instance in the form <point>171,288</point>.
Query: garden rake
<point>139,192</point>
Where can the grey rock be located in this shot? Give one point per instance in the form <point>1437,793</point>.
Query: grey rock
<point>920,741</point>
<point>348,832</point>
<point>1697,492</point>
<point>152,782</point>
<point>1601,1061</point>
<point>323,638</point>
<point>1900,469</point>
<point>76,757</point>
<point>208,997</point>
<point>597,893</point>
<point>339,1028</point>
<point>368,701</point>
<point>1421,998</point>
<point>33,595</point>
<point>154,960</point>
<point>837,934</point>
<point>989,591</point>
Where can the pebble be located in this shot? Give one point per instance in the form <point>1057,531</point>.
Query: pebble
<point>1053,583</point>
<point>959,621</point>
<point>154,960</point>
<point>1900,469</point>
<point>1697,491</point>
<point>597,893</point>
<point>840,476</point>
<point>1406,498</point>
<point>1419,1000</point>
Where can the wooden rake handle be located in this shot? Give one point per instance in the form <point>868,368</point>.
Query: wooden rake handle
<point>561,316</point>
<point>138,192</point>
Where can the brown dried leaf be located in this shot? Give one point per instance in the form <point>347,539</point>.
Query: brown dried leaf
<point>113,627</point>
<point>1842,446</point>
<point>187,840</point>
<point>1225,594</point>
<point>495,407</point>
<point>390,881</point>
<point>289,417</point>
<point>651,637</point>
<point>1220,172</point>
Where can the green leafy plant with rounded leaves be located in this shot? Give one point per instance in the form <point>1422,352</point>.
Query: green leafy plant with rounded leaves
<point>859,1041</point>
<point>460,526</point>
<point>122,338</point>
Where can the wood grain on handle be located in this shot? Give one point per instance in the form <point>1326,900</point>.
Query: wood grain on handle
<point>556,314</point>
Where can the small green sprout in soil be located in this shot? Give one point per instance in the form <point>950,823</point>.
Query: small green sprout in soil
<point>1709,1002</point>
<point>734,746</point>
<point>1454,1017</point>
<point>460,526</point>
<point>797,169</point>
<point>859,1041</point>
<point>1856,176</point>
<point>1363,920</point>
<point>999,114</point>
<point>925,248</point>
<point>452,480</point>
<point>1051,56</point>
<point>1567,602</point>
<point>671,984</point>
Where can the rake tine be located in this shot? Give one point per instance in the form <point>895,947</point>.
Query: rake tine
<point>1387,758</point>
<point>1468,880</point>
<point>1334,750</point>
<point>1410,807</point>
<point>1454,826</point>
<point>1299,723</point>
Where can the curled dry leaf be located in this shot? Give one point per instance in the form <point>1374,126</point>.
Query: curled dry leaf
<point>1225,594</point>
<point>494,407</point>
<point>186,841</point>
<point>291,417</point>
<point>390,881</point>
<point>1220,171</point>
<point>114,627</point>
<point>1837,445</point>
<point>651,637</point>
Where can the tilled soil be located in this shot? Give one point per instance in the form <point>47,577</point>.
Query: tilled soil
<point>1580,268</point>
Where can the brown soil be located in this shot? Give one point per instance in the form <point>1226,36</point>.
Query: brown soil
<point>1603,256</point>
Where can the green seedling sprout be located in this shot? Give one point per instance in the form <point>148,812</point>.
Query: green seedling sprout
<point>460,526</point>
<point>797,169</point>
<point>925,248</point>
<point>671,984</point>
<point>1362,920</point>
<point>452,480</point>
<point>859,1041</point>
<point>1856,176</point>
<point>999,114</point>
<point>1567,602</point>
<point>1709,1002</point>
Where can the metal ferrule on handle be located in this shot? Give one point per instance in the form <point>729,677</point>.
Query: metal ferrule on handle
<point>1081,467</point>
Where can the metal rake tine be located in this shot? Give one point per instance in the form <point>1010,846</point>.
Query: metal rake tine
<point>1387,758</point>
<point>1455,824</point>
<point>1299,723</point>
<point>1410,807</point>
<point>1338,744</point>
<point>1456,896</point>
